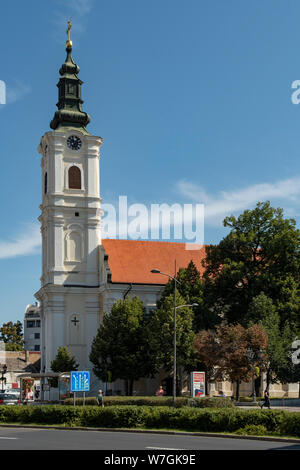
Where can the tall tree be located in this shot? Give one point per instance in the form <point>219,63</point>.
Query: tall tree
<point>263,311</point>
<point>161,340</point>
<point>260,254</point>
<point>121,344</point>
<point>191,287</point>
<point>224,351</point>
<point>209,352</point>
<point>11,334</point>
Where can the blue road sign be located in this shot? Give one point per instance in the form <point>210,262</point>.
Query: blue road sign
<point>80,381</point>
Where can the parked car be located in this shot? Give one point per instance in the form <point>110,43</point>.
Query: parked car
<point>9,399</point>
<point>13,391</point>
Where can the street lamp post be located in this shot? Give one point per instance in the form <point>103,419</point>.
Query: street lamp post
<point>157,271</point>
<point>253,356</point>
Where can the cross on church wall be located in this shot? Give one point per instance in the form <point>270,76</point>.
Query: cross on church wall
<point>75,321</point>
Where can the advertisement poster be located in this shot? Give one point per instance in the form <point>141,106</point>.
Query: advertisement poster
<point>197,384</point>
<point>27,389</point>
<point>64,387</point>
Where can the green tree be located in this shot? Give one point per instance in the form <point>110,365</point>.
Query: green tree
<point>263,311</point>
<point>120,347</point>
<point>11,334</point>
<point>63,362</point>
<point>161,336</point>
<point>192,288</point>
<point>288,301</point>
<point>260,254</point>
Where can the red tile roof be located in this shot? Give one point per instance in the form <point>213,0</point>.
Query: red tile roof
<point>131,261</point>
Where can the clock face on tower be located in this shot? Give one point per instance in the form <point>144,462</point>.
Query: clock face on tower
<point>73,142</point>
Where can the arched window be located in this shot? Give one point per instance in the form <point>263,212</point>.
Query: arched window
<point>46,183</point>
<point>74,177</point>
<point>74,246</point>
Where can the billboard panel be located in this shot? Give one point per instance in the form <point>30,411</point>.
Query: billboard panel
<point>197,384</point>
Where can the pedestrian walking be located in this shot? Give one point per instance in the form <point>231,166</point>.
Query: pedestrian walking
<point>266,401</point>
<point>99,398</point>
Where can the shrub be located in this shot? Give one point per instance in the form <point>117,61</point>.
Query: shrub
<point>213,402</point>
<point>253,430</point>
<point>290,424</point>
<point>140,401</point>
<point>158,417</point>
<point>205,402</point>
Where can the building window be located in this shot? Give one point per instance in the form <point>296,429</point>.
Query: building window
<point>74,246</point>
<point>36,335</point>
<point>71,89</point>
<point>36,347</point>
<point>74,177</point>
<point>46,183</point>
<point>30,324</point>
<point>38,323</point>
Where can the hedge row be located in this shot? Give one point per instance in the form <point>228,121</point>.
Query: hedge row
<point>205,402</point>
<point>189,419</point>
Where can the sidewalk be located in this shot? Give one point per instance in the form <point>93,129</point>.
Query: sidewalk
<point>285,408</point>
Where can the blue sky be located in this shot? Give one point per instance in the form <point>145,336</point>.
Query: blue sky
<point>193,100</point>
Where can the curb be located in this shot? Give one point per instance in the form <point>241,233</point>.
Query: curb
<point>148,431</point>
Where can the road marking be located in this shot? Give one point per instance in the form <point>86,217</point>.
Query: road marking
<point>162,448</point>
<point>9,438</point>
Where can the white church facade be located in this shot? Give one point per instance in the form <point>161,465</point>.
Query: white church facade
<point>83,275</point>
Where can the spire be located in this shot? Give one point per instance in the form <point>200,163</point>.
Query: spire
<point>69,112</point>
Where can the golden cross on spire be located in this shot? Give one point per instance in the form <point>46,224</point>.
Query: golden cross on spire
<point>69,42</point>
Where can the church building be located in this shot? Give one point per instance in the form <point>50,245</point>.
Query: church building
<point>83,275</point>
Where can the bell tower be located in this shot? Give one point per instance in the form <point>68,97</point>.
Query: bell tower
<point>70,224</point>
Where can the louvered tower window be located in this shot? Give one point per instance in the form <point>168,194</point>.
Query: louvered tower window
<point>74,178</point>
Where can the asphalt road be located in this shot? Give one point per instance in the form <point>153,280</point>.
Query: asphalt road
<point>51,439</point>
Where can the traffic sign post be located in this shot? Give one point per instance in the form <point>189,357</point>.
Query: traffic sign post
<point>80,382</point>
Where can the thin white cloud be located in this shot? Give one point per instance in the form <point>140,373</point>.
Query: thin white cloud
<point>82,7</point>
<point>24,244</point>
<point>77,11</point>
<point>229,202</point>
